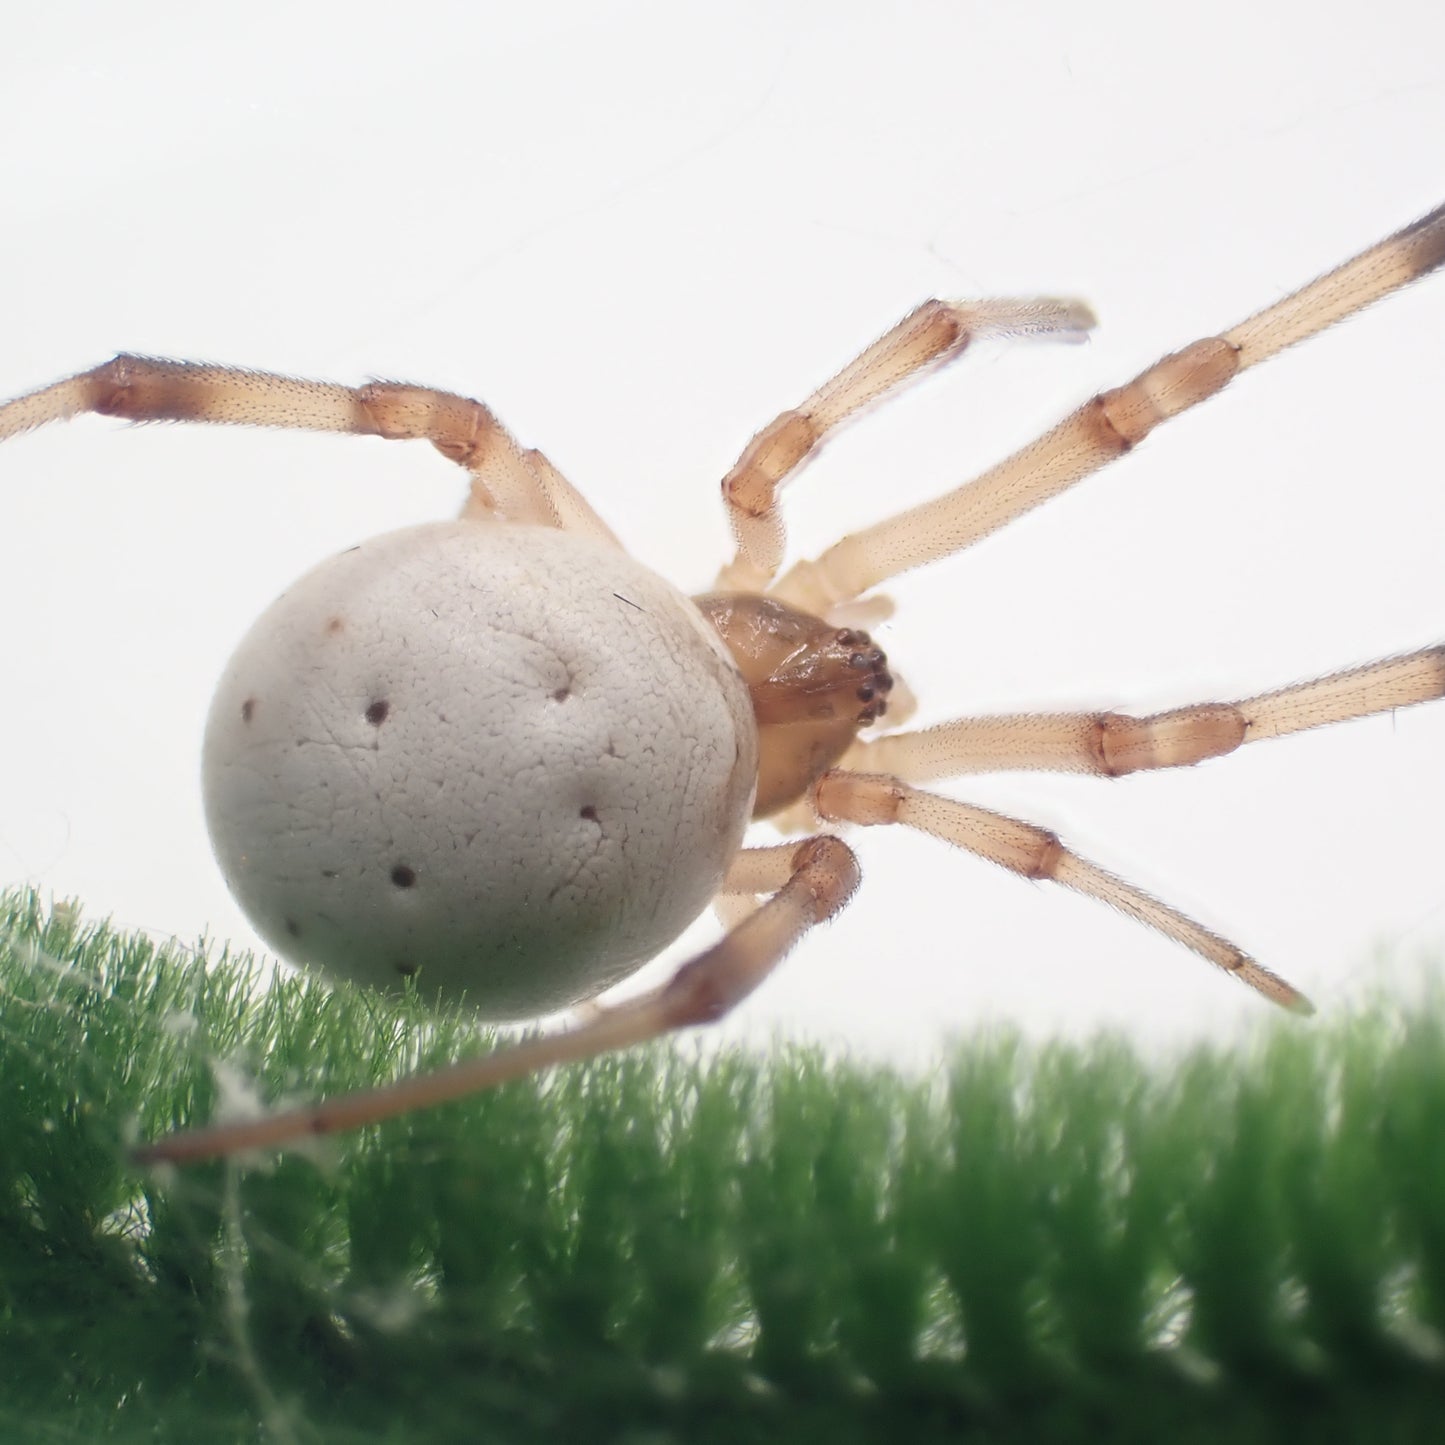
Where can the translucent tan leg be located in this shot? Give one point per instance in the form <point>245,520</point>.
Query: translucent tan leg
<point>934,333</point>
<point>571,510</point>
<point>752,873</point>
<point>1107,426</point>
<point>813,880</point>
<point>1111,744</point>
<point>519,486</point>
<point>1034,852</point>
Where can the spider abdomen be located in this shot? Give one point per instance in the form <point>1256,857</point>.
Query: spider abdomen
<point>509,760</point>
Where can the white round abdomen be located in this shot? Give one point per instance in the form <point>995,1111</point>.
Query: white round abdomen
<point>505,759</point>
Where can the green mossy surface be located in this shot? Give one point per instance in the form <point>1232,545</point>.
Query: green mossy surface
<point>1041,1244</point>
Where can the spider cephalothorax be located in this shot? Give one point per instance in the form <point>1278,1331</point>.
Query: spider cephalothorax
<point>813,687</point>
<point>500,758</point>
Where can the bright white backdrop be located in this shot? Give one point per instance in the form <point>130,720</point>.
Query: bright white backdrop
<point>640,230</point>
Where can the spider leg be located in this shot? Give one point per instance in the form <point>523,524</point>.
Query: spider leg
<point>1034,852</point>
<point>570,509</point>
<point>1110,744</point>
<point>1108,426</point>
<point>812,880</point>
<point>931,335</point>
<point>518,485</point>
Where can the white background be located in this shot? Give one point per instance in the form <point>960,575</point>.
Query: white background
<point>640,230</point>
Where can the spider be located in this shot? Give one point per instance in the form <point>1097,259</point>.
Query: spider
<point>500,759</point>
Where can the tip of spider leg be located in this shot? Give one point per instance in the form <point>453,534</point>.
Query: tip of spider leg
<point>1035,318</point>
<point>1287,996</point>
<point>1274,988</point>
<point>1076,320</point>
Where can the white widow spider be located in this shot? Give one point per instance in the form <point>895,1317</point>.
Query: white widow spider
<point>501,756</point>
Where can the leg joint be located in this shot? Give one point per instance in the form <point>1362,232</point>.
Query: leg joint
<point>751,486</point>
<point>828,868</point>
<point>862,798</point>
<point>1045,858</point>
<point>454,425</point>
<point>137,389</point>
<point>1178,739</point>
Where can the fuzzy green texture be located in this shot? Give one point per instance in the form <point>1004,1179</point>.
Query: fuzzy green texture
<point>1042,1244</point>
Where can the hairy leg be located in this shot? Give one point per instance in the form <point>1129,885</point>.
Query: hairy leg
<point>929,336</point>
<point>1111,744</point>
<point>507,481</point>
<point>813,880</point>
<point>1108,426</point>
<point>1034,852</point>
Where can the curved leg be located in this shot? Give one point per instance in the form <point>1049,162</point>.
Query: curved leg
<point>1034,852</point>
<point>519,486</point>
<point>1103,429</point>
<point>813,881</point>
<point>931,335</point>
<point>1110,744</point>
